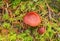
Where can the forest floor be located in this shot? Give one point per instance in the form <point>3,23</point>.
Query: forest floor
<point>12,27</point>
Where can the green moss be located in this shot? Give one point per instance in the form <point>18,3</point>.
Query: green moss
<point>30,33</point>
<point>6,16</point>
<point>6,25</point>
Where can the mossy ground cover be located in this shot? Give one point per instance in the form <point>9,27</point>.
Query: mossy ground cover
<point>12,27</point>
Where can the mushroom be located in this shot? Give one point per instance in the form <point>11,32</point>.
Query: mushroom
<point>41,30</point>
<point>32,18</point>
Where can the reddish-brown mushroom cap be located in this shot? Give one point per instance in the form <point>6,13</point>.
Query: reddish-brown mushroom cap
<point>41,30</point>
<point>32,19</point>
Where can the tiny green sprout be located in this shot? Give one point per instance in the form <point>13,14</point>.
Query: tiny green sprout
<point>28,38</point>
<point>20,17</point>
<point>6,25</point>
<point>30,5</point>
<point>15,3</point>
<point>25,37</point>
<point>12,37</point>
<point>12,19</point>
<point>27,31</point>
<point>6,16</point>
<point>23,6</point>
<point>17,12</point>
